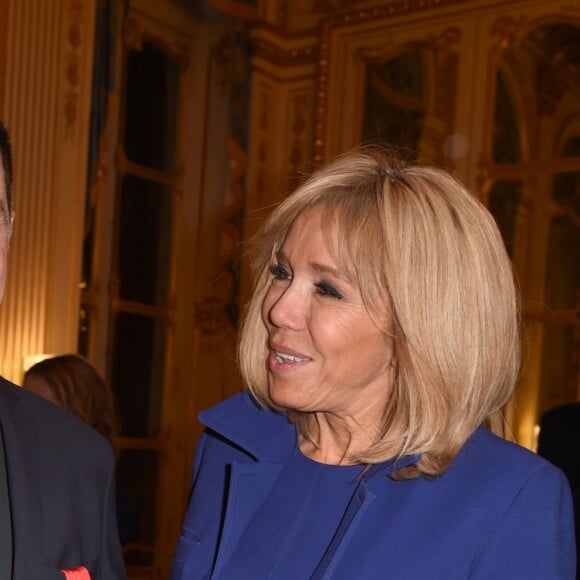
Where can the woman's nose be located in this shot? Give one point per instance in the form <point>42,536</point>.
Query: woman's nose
<point>287,308</point>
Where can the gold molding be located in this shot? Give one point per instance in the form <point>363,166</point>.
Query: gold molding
<point>263,139</point>
<point>134,36</point>
<point>301,108</point>
<point>74,41</point>
<point>330,5</point>
<point>506,31</point>
<point>235,8</point>
<point>446,70</point>
<point>398,8</point>
<point>283,56</point>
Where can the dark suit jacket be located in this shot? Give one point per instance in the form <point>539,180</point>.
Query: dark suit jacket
<point>559,442</point>
<point>62,490</point>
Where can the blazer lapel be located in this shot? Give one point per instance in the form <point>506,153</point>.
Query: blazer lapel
<point>5,518</point>
<point>249,485</point>
<point>357,507</point>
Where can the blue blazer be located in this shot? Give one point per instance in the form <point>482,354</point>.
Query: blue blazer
<point>499,511</point>
<point>61,480</point>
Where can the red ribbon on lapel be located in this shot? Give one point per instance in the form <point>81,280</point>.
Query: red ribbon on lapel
<point>80,573</point>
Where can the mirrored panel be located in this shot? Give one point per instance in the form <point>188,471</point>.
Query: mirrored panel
<point>144,249</point>
<point>152,107</point>
<point>138,372</point>
<point>394,101</point>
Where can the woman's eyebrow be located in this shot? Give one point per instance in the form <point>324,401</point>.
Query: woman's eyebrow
<point>334,272</point>
<point>320,268</point>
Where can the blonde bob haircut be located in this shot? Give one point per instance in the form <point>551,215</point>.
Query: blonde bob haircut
<point>419,243</point>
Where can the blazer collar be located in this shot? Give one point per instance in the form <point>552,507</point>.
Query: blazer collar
<point>267,435</point>
<point>262,433</point>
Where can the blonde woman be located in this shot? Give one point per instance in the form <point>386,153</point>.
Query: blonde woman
<point>379,350</point>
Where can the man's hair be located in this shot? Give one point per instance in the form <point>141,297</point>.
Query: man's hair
<point>421,245</point>
<point>6,156</point>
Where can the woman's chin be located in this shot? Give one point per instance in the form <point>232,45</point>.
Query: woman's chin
<point>283,397</point>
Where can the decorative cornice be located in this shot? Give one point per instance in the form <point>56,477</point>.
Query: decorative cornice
<point>235,8</point>
<point>399,8</point>
<point>330,5</point>
<point>283,56</point>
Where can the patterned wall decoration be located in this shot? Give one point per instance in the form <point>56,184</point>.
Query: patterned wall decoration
<point>262,137</point>
<point>300,133</point>
<point>237,142</point>
<point>73,63</point>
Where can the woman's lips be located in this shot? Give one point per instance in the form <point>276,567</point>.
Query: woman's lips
<point>283,359</point>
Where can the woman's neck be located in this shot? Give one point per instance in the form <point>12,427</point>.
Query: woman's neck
<point>335,439</point>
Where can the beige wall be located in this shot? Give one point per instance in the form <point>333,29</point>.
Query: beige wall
<point>45,74</point>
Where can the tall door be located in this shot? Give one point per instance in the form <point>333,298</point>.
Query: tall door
<point>140,260</point>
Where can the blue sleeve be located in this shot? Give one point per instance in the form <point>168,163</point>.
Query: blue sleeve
<point>535,538</point>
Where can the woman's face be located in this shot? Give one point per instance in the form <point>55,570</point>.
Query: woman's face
<point>326,353</point>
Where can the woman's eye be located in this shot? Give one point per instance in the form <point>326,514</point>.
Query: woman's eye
<point>279,272</point>
<point>325,289</point>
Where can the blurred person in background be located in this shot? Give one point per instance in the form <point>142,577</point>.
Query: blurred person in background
<point>72,382</point>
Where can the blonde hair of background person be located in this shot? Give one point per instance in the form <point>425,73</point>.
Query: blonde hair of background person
<point>71,381</point>
<point>455,332</point>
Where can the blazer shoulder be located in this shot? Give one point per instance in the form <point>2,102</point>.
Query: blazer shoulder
<point>488,456</point>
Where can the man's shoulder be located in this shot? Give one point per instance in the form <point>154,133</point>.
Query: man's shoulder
<point>53,423</point>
